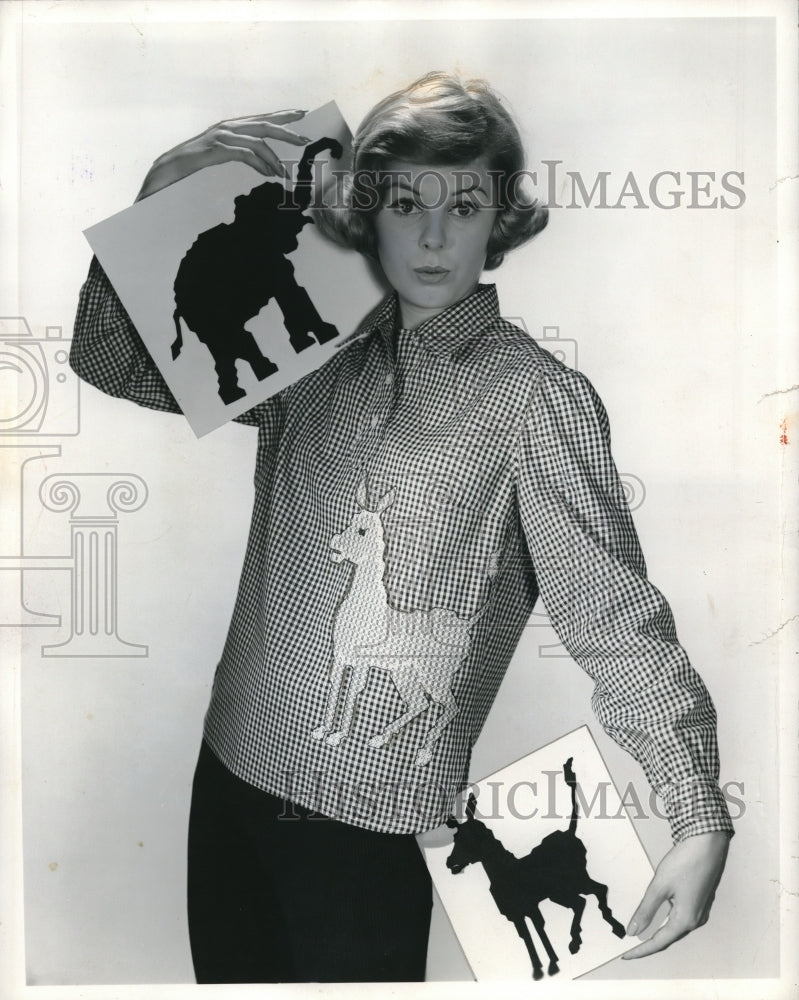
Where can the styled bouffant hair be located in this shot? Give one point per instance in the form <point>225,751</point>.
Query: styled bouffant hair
<point>437,120</point>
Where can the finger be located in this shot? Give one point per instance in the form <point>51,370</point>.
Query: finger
<point>653,899</point>
<point>249,157</point>
<point>278,117</point>
<point>671,931</point>
<point>288,116</point>
<point>265,129</point>
<point>285,135</point>
<point>271,158</point>
<point>259,149</point>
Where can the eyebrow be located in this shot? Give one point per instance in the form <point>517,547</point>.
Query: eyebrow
<point>400,180</point>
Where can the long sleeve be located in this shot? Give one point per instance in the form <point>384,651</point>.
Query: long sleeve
<point>610,618</point>
<point>108,353</point>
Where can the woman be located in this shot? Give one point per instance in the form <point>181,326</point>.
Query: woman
<point>412,498</point>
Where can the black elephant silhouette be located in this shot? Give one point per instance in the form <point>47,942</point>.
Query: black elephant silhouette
<point>232,271</point>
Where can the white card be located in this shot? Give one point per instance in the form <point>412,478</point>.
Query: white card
<point>254,316</point>
<point>505,872</point>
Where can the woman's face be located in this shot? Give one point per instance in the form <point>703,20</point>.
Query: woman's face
<point>432,232</point>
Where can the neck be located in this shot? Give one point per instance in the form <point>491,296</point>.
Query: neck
<point>412,316</point>
<point>496,858</point>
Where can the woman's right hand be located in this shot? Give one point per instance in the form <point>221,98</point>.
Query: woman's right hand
<point>238,139</point>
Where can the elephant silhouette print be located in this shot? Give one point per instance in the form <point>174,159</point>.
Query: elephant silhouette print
<point>232,271</point>
<point>555,870</point>
<point>421,650</point>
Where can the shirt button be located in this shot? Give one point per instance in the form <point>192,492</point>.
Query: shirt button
<point>389,379</point>
<point>375,420</point>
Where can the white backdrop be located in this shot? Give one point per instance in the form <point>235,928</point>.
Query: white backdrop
<point>675,319</point>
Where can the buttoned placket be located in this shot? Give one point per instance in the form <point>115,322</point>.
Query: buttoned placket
<point>399,363</point>
<point>382,401</point>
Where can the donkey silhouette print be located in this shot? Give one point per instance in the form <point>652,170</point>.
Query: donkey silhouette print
<point>556,870</point>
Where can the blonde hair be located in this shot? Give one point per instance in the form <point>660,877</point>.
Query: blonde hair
<point>439,120</point>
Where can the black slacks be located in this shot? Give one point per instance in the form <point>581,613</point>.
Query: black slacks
<point>279,899</point>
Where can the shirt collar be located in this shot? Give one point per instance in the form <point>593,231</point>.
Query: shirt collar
<point>449,330</point>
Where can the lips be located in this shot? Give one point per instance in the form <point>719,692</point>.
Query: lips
<point>430,274</point>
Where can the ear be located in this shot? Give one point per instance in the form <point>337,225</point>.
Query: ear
<point>452,823</point>
<point>360,496</point>
<point>471,805</point>
<point>386,501</point>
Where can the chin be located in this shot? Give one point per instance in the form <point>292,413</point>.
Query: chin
<point>439,298</point>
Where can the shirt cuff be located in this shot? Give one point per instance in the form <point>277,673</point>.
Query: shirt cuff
<point>695,805</point>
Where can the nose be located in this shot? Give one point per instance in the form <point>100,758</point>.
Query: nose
<point>433,235</point>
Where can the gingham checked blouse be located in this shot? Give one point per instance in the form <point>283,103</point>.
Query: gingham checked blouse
<point>413,497</point>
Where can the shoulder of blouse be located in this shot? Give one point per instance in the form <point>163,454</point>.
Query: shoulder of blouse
<point>533,366</point>
<point>550,393</point>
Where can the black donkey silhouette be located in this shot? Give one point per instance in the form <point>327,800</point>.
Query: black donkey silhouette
<point>555,869</point>
<point>231,271</point>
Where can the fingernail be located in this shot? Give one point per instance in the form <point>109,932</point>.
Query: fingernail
<point>632,930</point>
<point>304,138</point>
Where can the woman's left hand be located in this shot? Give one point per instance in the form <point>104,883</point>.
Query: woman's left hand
<point>687,879</point>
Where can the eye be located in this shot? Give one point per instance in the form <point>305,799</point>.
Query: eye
<point>361,531</point>
<point>464,209</point>
<point>403,206</point>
